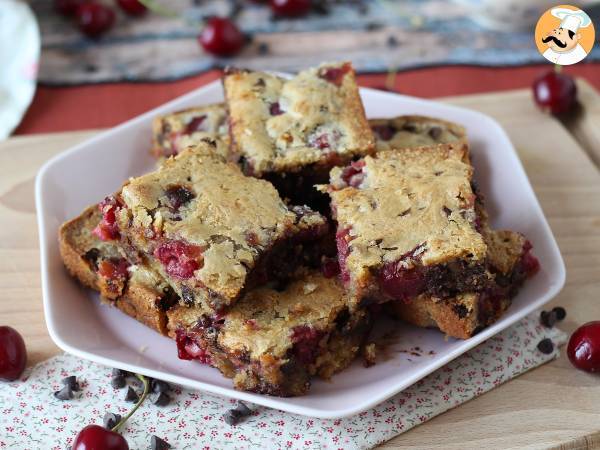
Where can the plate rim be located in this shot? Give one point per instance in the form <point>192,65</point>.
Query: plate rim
<point>264,400</point>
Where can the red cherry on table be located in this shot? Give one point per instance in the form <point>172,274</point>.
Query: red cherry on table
<point>555,92</point>
<point>221,37</point>
<point>290,8</point>
<point>13,354</point>
<point>95,437</point>
<point>67,7</point>
<point>94,18</point>
<point>132,7</point>
<point>584,347</point>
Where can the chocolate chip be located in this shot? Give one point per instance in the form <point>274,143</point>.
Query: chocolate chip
<point>260,82</point>
<point>110,420</point>
<point>120,373</point>
<point>71,381</point>
<point>178,196</point>
<point>243,410</point>
<point>131,396</point>
<point>545,346</point>
<point>66,393</point>
<point>231,417</point>
<point>118,382</point>
<point>411,128</point>
<point>447,211</point>
<point>560,312</point>
<point>263,49</point>
<point>162,399</point>
<point>187,295</point>
<point>548,318</point>
<point>157,443</point>
<point>392,41</point>
<point>91,256</point>
<point>159,386</point>
<point>435,132</point>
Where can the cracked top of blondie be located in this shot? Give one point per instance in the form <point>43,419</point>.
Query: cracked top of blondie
<point>414,205</point>
<point>206,222</point>
<point>414,131</point>
<point>278,124</point>
<point>173,133</point>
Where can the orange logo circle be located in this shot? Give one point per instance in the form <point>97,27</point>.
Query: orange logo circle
<point>564,35</point>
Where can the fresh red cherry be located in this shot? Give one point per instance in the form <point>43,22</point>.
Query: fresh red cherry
<point>132,7</point>
<point>95,437</point>
<point>94,18</point>
<point>221,37</point>
<point>584,347</point>
<point>13,354</point>
<point>555,92</point>
<point>290,8</point>
<point>67,7</point>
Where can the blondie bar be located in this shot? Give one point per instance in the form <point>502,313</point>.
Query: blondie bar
<point>407,224</point>
<point>210,231</point>
<point>414,131</point>
<point>510,261</point>
<point>292,131</point>
<point>273,341</point>
<point>174,132</point>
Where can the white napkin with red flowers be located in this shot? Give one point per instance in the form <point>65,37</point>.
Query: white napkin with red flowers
<point>32,418</point>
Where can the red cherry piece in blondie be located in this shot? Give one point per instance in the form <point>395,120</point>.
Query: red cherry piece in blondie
<point>178,196</point>
<point>189,349</point>
<point>306,343</point>
<point>107,229</point>
<point>399,283</point>
<point>180,259</point>
<point>353,174</point>
<point>195,125</point>
<point>342,238</point>
<point>330,268</point>
<point>113,269</point>
<point>275,109</point>
<point>530,265</point>
<point>335,75</point>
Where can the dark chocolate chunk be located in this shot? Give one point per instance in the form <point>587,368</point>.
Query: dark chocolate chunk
<point>231,417</point>
<point>66,393</point>
<point>157,443</point>
<point>110,420</point>
<point>548,318</point>
<point>118,382</point>
<point>91,256</point>
<point>71,381</point>
<point>162,399</point>
<point>131,396</point>
<point>120,373</point>
<point>560,312</point>
<point>160,386</point>
<point>263,49</point>
<point>392,41</point>
<point>435,132</point>
<point>545,346</point>
<point>178,196</point>
<point>243,410</point>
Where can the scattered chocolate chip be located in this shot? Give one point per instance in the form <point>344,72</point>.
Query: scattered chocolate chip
<point>66,393</point>
<point>110,420</point>
<point>373,26</point>
<point>260,82</point>
<point>560,312</point>
<point>159,386</point>
<point>321,8</point>
<point>263,49</point>
<point>231,418</point>
<point>548,318</point>
<point>162,399</point>
<point>71,381</point>
<point>131,396</point>
<point>411,128</point>
<point>157,443</point>
<point>435,132</point>
<point>243,410</point>
<point>118,382</point>
<point>120,373</point>
<point>91,256</point>
<point>545,346</point>
<point>447,211</point>
<point>392,41</point>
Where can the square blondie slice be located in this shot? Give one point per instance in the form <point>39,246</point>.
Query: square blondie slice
<point>208,229</point>
<point>273,341</point>
<point>407,224</point>
<point>173,133</point>
<point>510,261</point>
<point>136,290</point>
<point>414,131</point>
<point>292,131</point>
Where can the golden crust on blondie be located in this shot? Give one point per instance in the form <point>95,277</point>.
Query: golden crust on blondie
<point>278,124</point>
<point>415,131</point>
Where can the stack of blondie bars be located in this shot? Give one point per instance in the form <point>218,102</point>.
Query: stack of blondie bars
<point>279,225</point>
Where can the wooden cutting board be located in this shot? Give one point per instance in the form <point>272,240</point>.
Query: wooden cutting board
<point>552,406</point>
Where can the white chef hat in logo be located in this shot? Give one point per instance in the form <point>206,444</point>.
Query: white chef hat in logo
<point>571,19</point>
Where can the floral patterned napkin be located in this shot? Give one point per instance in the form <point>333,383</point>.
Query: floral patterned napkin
<point>32,418</point>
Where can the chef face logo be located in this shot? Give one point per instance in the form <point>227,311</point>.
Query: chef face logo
<point>564,35</point>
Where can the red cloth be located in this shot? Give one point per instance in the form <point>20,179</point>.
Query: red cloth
<point>105,105</point>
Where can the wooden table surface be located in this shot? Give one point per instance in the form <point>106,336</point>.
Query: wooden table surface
<point>552,406</point>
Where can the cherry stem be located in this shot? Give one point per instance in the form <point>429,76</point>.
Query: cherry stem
<point>144,380</point>
<point>557,68</point>
<point>159,9</point>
